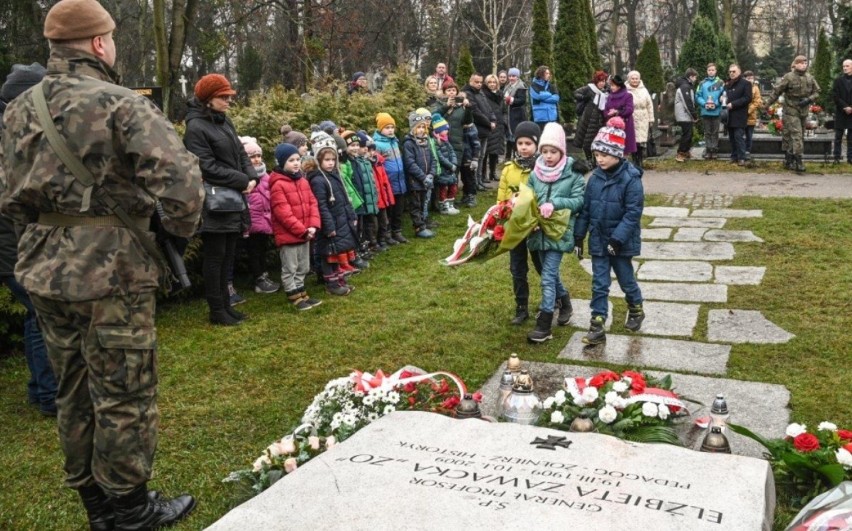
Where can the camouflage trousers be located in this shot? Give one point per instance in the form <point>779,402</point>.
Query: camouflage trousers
<point>104,354</point>
<point>793,134</point>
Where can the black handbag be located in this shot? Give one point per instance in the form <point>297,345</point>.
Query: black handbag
<point>222,199</point>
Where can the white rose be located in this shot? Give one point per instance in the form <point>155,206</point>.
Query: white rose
<point>314,442</point>
<point>330,441</point>
<point>844,458</point>
<point>275,449</point>
<point>261,461</point>
<point>548,402</point>
<point>590,394</point>
<point>663,412</point>
<point>649,409</point>
<point>627,379</point>
<point>290,465</point>
<point>619,387</point>
<point>611,398</point>
<point>557,417</point>
<point>287,445</point>
<point>827,426</point>
<point>794,430</point>
<point>560,398</point>
<point>607,414</point>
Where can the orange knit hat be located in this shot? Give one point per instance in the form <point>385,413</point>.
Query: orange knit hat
<point>212,85</point>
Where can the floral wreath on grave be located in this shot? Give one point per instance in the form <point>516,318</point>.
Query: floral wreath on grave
<point>806,463</point>
<point>345,406</point>
<point>631,406</point>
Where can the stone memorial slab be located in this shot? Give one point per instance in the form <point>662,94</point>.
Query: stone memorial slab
<point>758,406</point>
<point>687,251</point>
<point>744,326</point>
<point>422,471</point>
<point>665,212</point>
<point>669,319</point>
<point>656,234</point>
<point>735,236</point>
<point>727,213</point>
<point>677,291</point>
<point>706,223</point>
<point>680,271</point>
<point>638,351</point>
<point>689,234</point>
<point>586,264</point>
<point>740,275</point>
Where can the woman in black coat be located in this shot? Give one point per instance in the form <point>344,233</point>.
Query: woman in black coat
<point>497,139</point>
<point>590,101</point>
<point>515,97</point>
<point>211,136</point>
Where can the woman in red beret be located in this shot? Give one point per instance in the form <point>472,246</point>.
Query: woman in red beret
<point>224,163</point>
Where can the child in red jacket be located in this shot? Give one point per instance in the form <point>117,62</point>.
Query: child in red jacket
<point>295,221</point>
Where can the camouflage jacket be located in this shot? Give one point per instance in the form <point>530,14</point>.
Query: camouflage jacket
<point>794,86</point>
<point>129,147</point>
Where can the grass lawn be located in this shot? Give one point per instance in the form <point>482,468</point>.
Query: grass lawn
<point>759,166</point>
<point>225,393</point>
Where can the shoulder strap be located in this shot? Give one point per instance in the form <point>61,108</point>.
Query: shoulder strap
<point>82,174</point>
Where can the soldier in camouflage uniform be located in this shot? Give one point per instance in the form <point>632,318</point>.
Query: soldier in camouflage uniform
<point>800,90</point>
<point>91,281</point>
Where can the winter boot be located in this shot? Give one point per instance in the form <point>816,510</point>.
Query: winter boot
<point>635,316</point>
<point>137,511</point>
<point>424,232</point>
<point>521,315</point>
<point>389,241</point>
<point>308,299</point>
<point>788,161</point>
<point>542,328</point>
<point>360,263</point>
<point>336,288</point>
<point>565,310</point>
<point>98,508</point>
<point>239,316</point>
<point>596,334</point>
<point>442,207</point>
<point>397,235</point>
<point>297,300</point>
<point>264,285</point>
<point>799,164</point>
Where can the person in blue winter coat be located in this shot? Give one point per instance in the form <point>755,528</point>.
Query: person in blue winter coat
<point>611,212</point>
<point>544,97</point>
<point>388,147</point>
<point>708,98</point>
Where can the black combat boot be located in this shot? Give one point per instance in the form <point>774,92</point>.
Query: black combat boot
<point>565,310</point>
<point>788,161</point>
<point>98,508</point>
<point>596,334</point>
<point>635,316</point>
<point>138,512</point>
<point>521,315</point>
<point>542,328</point>
<point>800,165</point>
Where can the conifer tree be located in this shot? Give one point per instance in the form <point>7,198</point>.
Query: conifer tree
<point>724,54</point>
<point>842,38</point>
<point>648,64</point>
<point>822,71</point>
<point>709,9</point>
<point>541,49</point>
<point>572,66</point>
<point>590,31</point>
<point>700,47</point>
<point>465,67</point>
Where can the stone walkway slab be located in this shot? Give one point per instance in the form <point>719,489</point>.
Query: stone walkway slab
<point>707,223</point>
<point>759,406</point>
<point>637,351</point>
<point>689,234</point>
<point>583,315</point>
<point>687,251</point>
<point>740,275</point>
<point>666,212</point>
<point>727,213</point>
<point>677,291</point>
<point>744,326</point>
<point>680,271</point>
<point>656,234</point>
<point>735,236</point>
<point>669,319</point>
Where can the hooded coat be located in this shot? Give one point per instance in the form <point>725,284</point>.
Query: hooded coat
<point>684,103</point>
<point>622,101</point>
<point>643,111</point>
<point>294,207</point>
<point>336,234</point>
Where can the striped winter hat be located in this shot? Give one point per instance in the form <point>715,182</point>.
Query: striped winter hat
<point>611,138</point>
<point>439,125</point>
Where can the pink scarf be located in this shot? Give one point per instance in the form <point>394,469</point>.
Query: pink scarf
<point>545,173</point>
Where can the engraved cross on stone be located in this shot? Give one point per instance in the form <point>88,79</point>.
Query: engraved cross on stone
<point>183,82</point>
<point>551,443</point>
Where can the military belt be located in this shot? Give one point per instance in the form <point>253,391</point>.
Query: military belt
<point>64,220</point>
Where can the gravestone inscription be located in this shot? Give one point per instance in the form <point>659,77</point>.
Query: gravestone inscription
<point>415,470</point>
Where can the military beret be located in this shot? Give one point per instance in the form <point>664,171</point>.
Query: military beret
<point>77,19</point>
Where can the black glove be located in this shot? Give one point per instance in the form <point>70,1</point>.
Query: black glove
<point>581,166</point>
<point>613,247</point>
<point>804,102</point>
<point>578,247</point>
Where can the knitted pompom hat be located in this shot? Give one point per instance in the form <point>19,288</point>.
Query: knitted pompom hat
<point>439,125</point>
<point>321,141</point>
<point>553,136</point>
<point>250,145</point>
<point>611,138</point>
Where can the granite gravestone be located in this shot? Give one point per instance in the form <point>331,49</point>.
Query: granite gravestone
<point>414,470</point>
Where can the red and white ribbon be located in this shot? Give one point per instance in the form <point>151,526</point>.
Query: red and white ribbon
<point>364,381</point>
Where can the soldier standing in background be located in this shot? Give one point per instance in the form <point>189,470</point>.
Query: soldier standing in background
<point>91,281</point>
<point>799,89</point>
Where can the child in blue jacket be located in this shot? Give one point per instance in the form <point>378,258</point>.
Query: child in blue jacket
<point>612,209</point>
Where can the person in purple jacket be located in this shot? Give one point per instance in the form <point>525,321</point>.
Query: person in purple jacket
<point>260,232</point>
<point>620,103</point>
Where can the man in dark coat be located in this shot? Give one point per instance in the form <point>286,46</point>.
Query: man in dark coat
<point>738,94</point>
<point>483,118</point>
<point>842,94</point>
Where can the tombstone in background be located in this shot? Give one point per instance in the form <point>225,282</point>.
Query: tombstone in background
<point>415,470</point>
<point>155,94</point>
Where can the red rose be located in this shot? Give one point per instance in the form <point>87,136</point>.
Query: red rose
<point>406,374</point>
<point>451,402</point>
<point>806,442</point>
<point>410,387</point>
<point>490,222</point>
<point>848,448</point>
<point>845,435</point>
<point>600,379</point>
<point>637,381</point>
<point>499,232</point>
<point>412,400</point>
